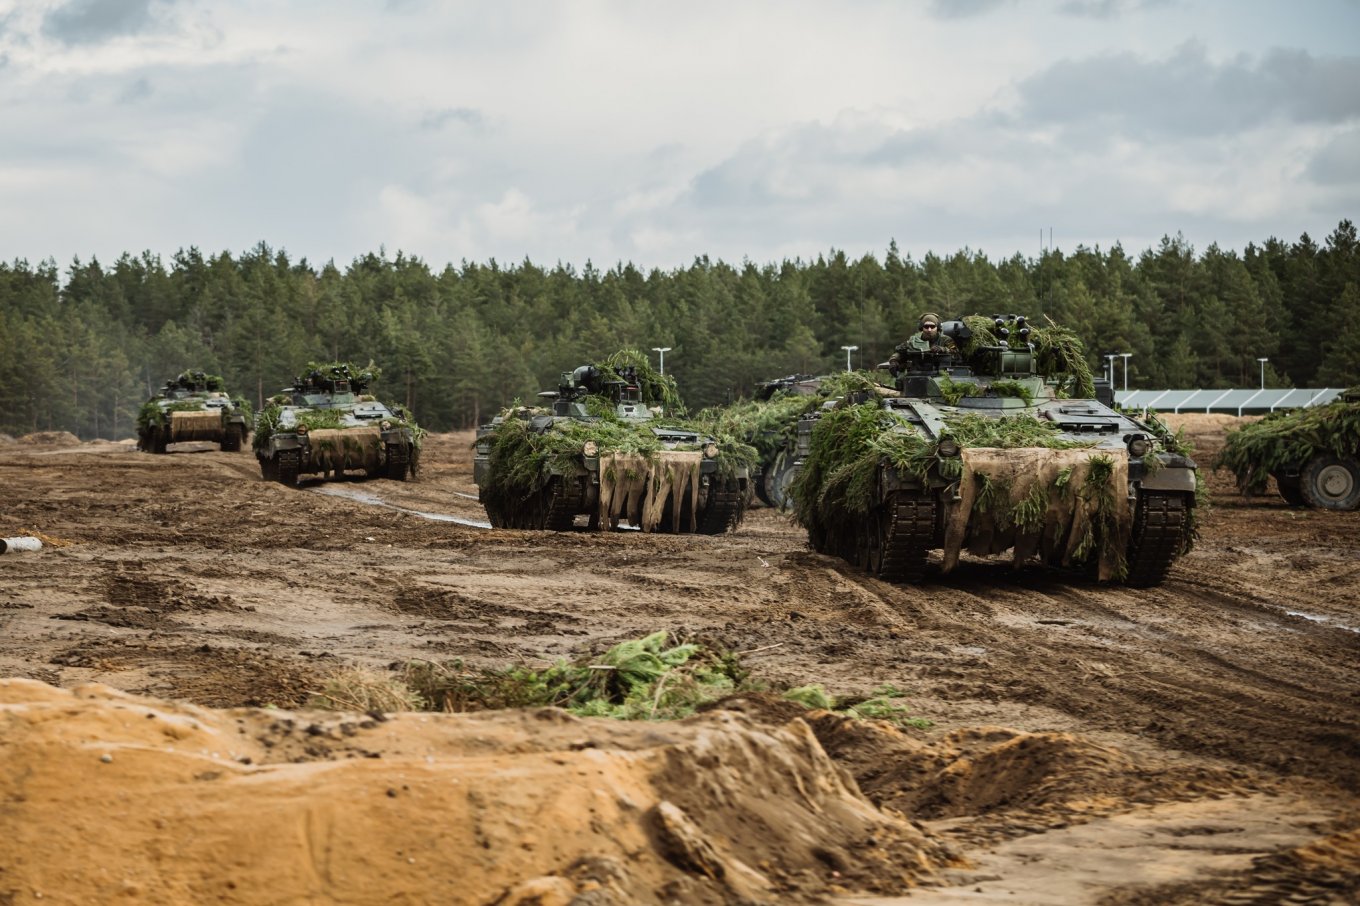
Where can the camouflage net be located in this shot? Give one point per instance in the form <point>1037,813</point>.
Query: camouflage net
<point>638,489</point>
<point>1056,504</point>
<point>199,424</point>
<point>335,450</point>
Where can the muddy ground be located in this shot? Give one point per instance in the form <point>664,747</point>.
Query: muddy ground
<point>1197,742</point>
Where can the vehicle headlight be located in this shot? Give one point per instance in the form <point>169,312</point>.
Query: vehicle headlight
<point>591,448</point>
<point>711,451</point>
<point>1139,445</point>
<point>947,448</point>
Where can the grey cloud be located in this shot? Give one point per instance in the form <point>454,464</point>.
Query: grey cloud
<point>1190,95</point>
<point>438,119</point>
<point>1093,9</point>
<point>963,9</point>
<point>138,90</point>
<point>1338,163</point>
<point>1108,9</point>
<point>91,21</point>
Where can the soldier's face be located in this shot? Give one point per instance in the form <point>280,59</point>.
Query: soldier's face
<point>929,329</point>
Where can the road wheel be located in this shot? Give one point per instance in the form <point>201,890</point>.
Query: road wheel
<point>1331,482</point>
<point>875,530</point>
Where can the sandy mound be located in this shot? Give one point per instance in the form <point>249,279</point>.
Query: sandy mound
<point>112,796</point>
<point>50,438</point>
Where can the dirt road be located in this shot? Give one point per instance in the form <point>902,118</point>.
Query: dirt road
<point>1197,742</point>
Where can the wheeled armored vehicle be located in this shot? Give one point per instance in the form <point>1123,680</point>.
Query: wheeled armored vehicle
<point>195,406</point>
<point>1003,444</point>
<point>1313,454</point>
<point>327,425</point>
<point>604,451</point>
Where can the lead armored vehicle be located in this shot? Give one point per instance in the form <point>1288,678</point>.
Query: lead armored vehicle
<point>604,451</point>
<point>1313,454</point>
<point>1004,444</point>
<point>327,424</point>
<point>195,406</point>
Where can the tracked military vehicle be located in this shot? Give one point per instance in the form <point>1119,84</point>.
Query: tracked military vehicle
<point>1313,454</point>
<point>604,451</point>
<point>327,425</point>
<point>195,406</point>
<point>1003,444</point>
<point>769,422</point>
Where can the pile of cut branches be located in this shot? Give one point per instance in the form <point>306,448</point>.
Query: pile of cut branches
<point>652,678</point>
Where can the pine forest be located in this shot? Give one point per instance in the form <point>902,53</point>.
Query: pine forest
<point>81,348</point>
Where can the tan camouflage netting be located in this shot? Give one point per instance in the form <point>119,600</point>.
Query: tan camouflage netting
<point>339,449</point>
<point>1067,522</point>
<point>205,424</point>
<point>636,488</point>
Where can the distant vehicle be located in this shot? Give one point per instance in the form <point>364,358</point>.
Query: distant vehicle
<point>1004,445</point>
<point>1312,453</point>
<point>194,406</point>
<point>325,424</point>
<point>604,451</point>
<point>769,423</point>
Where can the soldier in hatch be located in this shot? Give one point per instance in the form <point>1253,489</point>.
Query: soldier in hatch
<point>926,339</point>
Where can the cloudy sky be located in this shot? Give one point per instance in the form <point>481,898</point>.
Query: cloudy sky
<point>654,132</point>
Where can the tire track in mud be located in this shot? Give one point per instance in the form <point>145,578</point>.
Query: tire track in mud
<point>1291,705</point>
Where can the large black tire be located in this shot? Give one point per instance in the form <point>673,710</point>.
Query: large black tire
<point>1331,482</point>
<point>287,465</point>
<point>1161,522</point>
<point>1289,488</point>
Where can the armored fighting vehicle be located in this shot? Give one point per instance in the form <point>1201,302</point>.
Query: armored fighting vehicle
<point>193,407</point>
<point>769,422</point>
<point>603,450</point>
<point>1004,443</point>
<point>1313,454</point>
<point>327,424</point>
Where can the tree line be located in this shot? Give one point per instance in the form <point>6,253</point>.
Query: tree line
<point>82,349</point>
